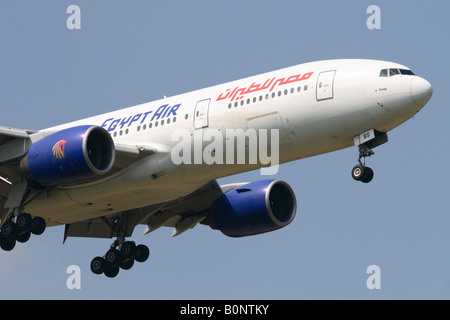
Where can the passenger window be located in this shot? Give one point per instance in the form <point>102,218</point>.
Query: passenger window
<point>384,73</point>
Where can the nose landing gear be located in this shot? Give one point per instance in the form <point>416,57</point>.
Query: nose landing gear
<point>366,142</point>
<point>360,172</point>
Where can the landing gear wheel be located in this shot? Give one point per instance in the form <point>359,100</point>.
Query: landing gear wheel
<point>7,244</point>
<point>111,272</point>
<point>368,175</point>
<point>142,253</point>
<point>362,173</point>
<point>38,226</point>
<point>23,222</point>
<point>98,265</point>
<point>113,258</point>
<point>127,265</point>
<point>9,230</point>
<point>128,250</point>
<point>358,172</point>
<point>24,237</point>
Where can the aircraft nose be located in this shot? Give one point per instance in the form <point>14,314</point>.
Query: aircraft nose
<point>421,91</point>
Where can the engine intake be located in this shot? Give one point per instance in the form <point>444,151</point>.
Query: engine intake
<point>70,156</point>
<point>254,208</point>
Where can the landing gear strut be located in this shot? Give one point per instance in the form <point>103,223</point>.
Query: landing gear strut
<point>360,172</point>
<point>119,256</point>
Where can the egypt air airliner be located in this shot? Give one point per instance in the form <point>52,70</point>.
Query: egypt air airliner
<point>156,164</point>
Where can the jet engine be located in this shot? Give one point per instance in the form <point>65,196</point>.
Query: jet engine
<point>253,208</point>
<point>70,156</point>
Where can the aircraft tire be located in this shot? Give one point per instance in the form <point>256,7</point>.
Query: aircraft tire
<point>128,250</point>
<point>23,222</point>
<point>126,265</point>
<point>98,265</point>
<point>112,258</point>
<point>7,244</point>
<point>24,237</point>
<point>9,230</point>
<point>142,253</point>
<point>38,226</point>
<point>358,172</point>
<point>368,175</point>
<point>112,271</point>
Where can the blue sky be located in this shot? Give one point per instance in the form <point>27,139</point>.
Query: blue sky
<point>132,52</point>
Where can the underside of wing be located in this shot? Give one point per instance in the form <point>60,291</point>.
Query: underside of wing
<point>181,214</point>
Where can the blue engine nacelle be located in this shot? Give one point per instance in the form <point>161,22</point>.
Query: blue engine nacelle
<point>70,156</point>
<point>253,208</point>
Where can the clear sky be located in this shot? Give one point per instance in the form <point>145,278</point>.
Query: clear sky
<point>131,52</point>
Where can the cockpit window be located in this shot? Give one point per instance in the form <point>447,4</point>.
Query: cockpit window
<point>384,73</point>
<point>407,72</point>
<point>394,71</point>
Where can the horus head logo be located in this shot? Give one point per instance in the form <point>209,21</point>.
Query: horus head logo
<point>58,149</point>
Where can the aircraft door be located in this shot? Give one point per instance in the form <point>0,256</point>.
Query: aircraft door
<point>324,86</point>
<point>201,114</point>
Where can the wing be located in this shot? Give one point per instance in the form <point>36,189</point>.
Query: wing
<point>181,214</point>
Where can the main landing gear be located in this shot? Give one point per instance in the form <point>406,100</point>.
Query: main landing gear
<point>119,256</point>
<point>19,228</point>
<point>360,172</point>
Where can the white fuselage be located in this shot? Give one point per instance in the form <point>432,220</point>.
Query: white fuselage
<point>317,107</point>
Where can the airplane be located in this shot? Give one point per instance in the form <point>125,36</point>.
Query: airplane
<point>157,164</point>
